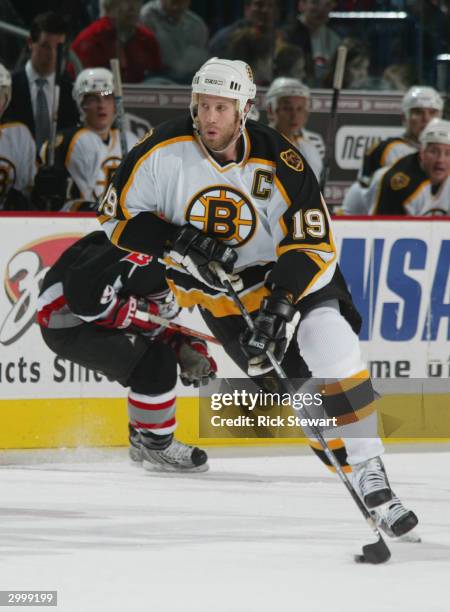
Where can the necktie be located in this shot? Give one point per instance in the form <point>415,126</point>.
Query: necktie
<point>42,119</point>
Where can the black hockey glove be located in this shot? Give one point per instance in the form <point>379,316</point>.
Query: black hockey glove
<point>275,325</point>
<point>195,251</point>
<point>50,186</point>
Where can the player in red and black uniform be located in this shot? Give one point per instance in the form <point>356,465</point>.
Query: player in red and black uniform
<point>93,309</point>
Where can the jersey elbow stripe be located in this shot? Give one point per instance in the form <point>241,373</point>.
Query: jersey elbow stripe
<point>323,267</point>
<point>117,232</point>
<point>323,247</point>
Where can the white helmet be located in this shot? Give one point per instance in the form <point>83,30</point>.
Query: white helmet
<point>5,84</point>
<point>92,80</point>
<point>421,97</point>
<point>283,87</point>
<point>225,78</point>
<point>437,131</point>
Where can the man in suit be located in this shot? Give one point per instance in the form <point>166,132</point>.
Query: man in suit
<point>33,85</point>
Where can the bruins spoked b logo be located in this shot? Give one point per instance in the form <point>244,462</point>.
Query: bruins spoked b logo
<point>223,212</point>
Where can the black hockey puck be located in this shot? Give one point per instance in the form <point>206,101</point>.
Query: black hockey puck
<point>359,558</point>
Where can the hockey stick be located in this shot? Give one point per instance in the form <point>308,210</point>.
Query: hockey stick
<point>118,99</point>
<point>378,552</point>
<point>55,106</point>
<point>149,317</point>
<point>331,128</point>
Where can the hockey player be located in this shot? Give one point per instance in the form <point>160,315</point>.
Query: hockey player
<point>85,157</point>
<point>214,188</point>
<point>17,155</point>
<point>93,309</point>
<point>418,184</point>
<point>288,106</point>
<point>419,105</point>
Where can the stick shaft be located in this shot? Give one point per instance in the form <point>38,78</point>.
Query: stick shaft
<point>118,99</point>
<point>55,106</point>
<point>338,78</point>
<point>178,328</point>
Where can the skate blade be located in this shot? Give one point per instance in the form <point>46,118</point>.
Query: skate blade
<point>173,469</point>
<point>411,537</point>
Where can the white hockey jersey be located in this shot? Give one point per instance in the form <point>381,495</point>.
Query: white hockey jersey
<point>267,206</point>
<point>89,161</point>
<point>311,153</point>
<point>357,200</point>
<point>405,189</point>
<point>17,159</point>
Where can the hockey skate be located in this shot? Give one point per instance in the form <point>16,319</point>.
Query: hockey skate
<point>370,479</point>
<point>396,520</point>
<point>135,449</point>
<point>175,457</point>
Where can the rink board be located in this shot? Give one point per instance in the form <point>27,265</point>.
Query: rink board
<point>71,423</point>
<point>397,270</point>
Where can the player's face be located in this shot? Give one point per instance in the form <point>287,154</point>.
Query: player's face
<point>315,12</point>
<point>43,52</point>
<point>291,115</point>
<point>126,14</point>
<point>217,121</point>
<point>261,14</point>
<point>99,111</point>
<point>419,118</point>
<point>435,159</point>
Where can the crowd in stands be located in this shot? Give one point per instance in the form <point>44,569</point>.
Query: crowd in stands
<point>290,47</point>
<point>167,40</point>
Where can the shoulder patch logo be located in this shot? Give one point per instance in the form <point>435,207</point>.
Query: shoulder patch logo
<point>144,137</point>
<point>293,159</point>
<point>59,140</point>
<point>399,181</point>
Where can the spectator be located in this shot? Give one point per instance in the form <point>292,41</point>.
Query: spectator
<point>86,156</point>
<point>356,72</point>
<point>33,86</point>
<point>17,155</point>
<point>248,45</point>
<point>287,105</point>
<point>258,14</point>
<point>398,77</point>
<point>312,21</point>
<point>118,34</point>
<point>182,36</point>
<point>418,184</point>
<point>290,61</point>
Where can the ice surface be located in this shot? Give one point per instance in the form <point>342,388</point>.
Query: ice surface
<point>264,530</point>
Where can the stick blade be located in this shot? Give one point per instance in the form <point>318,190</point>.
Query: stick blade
<point>375,553</point>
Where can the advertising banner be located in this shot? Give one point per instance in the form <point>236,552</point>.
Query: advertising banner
<point>397,271</point>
